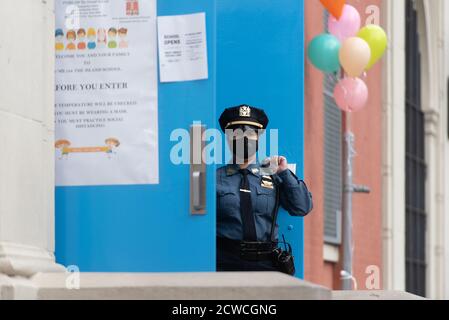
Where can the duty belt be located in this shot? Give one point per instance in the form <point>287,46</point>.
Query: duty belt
<point>249,251</point>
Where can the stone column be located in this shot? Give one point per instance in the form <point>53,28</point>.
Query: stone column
<point>26,137</point>
<point>394,122</point>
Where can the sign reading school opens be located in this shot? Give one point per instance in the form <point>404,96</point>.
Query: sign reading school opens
<point>106,93</point>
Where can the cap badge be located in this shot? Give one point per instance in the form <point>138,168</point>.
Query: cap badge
<point>245,111</point>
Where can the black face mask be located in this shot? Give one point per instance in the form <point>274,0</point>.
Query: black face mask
<point>245,148</point>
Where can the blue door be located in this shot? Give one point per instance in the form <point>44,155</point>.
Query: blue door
<point>255,55</point>
<point>149,228</point>
<point>260,48</point>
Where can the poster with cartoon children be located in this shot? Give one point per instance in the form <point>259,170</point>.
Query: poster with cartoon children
<point>106,94</point>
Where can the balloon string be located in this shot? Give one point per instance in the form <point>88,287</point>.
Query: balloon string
<point>348,122</point>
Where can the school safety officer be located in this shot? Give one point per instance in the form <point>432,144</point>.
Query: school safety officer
<point>248,194</point>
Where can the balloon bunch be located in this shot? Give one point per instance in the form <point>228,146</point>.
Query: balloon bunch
<point>350,47</point>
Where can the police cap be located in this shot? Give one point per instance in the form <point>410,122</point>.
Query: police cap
<point>243,115</point>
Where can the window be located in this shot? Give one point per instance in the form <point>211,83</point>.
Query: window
<point>332,161</point>
<point>416,217</point>
<point>332,164</point>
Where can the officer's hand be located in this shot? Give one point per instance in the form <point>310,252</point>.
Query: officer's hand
<point>282,164</point>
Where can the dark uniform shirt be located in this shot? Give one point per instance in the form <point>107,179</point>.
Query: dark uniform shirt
<point>294,197</point>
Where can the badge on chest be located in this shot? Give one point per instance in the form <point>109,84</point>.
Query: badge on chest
<point>267,182</point>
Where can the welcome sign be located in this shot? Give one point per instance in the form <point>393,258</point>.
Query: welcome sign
<point>106,106</point>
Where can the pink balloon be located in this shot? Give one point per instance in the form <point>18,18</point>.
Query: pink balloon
<point>347,26</point>
<point>351,94</point>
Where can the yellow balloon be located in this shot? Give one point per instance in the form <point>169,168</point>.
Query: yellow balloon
<point>355,55</point>
<point>376,37</point>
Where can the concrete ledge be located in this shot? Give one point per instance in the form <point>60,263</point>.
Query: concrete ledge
<point>374,295</point>
<point>175,286</point>
<point>178,286</point>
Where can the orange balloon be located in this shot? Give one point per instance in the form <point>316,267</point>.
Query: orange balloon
<point>335,7</point>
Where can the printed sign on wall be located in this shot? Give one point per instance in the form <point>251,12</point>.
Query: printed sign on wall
<point>106,106</point>
<point>182,47</point>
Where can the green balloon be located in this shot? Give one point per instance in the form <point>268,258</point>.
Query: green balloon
<point>323,52</point>
<point>377,40</point>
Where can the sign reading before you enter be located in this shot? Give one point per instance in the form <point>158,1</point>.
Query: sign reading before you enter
<point>182,47</point>
<point>106,92</point>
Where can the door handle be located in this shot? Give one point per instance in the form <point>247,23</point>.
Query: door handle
<point>196,184</point>
<point>197,170</point>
